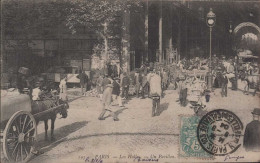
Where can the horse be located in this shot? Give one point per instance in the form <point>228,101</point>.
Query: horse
<point>45,104</point>
<point>252,82</point>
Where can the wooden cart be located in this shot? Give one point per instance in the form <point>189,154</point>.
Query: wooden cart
<point>18,126</point>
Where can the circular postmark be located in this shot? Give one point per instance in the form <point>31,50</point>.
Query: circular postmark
<point>219,132</point>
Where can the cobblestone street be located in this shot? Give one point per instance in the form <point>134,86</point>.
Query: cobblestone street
<point>82,136</point>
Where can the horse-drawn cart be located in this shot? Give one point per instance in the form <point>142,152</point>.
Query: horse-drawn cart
<point>19,124</point>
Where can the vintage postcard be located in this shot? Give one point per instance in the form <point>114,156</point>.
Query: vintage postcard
<point>125,81</point>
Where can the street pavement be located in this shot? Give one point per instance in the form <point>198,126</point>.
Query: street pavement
<point>82,137</point>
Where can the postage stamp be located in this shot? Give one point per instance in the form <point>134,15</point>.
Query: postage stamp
<point>219,132</point>
<point>189,146</point>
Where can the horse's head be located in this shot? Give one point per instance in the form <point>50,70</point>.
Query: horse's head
<point>64,112</point>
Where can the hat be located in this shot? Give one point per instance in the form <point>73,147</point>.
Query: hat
<point>110,85</point>
<point>256,111</point>
<point>37,84</point>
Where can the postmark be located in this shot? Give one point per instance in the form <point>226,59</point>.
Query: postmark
<point>219,132</point>
<point>189,146</point>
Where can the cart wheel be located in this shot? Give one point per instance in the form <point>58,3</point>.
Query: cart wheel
<point>19,137</point>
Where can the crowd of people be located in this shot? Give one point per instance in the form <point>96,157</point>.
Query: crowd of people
<point>190,77</point>
<point>146,81</point>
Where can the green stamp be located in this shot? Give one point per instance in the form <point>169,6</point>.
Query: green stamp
<point>189,145</point>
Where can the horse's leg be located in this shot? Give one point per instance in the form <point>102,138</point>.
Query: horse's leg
<point>46,129</point>
<point>52,127</point>
<point>37,122</point>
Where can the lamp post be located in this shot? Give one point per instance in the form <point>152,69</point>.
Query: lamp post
<point>234,87</point>
<point>211,20</point>
<point>230,30</point>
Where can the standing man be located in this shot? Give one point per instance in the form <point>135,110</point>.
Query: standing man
<point>107,96</point>
<point>144,84</point>
<point>182,90</point>
<point>138,80</point>
<point>63,89</point>
<point>125,85</point>
<point>155,91</point>
<point>116,92</point>
<point>99,85</point>
<point>23,80</point>
<point>224,83</point>
<point>252,133</point>
<point>83,77</point>
<point>231,72</point>
<point>164,79</point>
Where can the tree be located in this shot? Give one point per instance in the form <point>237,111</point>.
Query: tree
<point>22,20</point>
<point>100,16</point>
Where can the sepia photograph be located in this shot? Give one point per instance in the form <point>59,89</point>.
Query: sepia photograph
<point>130,81</point>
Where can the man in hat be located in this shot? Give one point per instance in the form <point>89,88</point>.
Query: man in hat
<point>63,89</point>
<point>182,90</point>
<point>138,80</point>
<point>107,98</point>
<point>22,82</point>
<point>252,133</point>
<point>224,82</point>
<point>125,85</point>
<point>83,77</point>
<point>217,79</point>
<point>144,84</point>
<point>155,91</point>
<point>99,85</point>
<point>116,91</point>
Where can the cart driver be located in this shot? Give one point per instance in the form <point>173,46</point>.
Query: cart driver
<point>37,92</point>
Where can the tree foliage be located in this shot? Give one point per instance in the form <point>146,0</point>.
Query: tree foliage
<point>26,15</point>
<point>25,20</point>
<point>94,14</point>
<point>104,17</point>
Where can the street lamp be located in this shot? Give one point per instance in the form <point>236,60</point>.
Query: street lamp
<point>230,30</point>
<point>211,20</point>
<point>231,52</point>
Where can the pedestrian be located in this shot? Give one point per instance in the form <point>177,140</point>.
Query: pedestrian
<point>231,73</point>
<point>182,90</point>
<point>83,77</point>
<point>116,92</point>
<point>155,91</point>
<point>144,84</point>
<point>107,98</point>
<point>138,80</point>
<point>63,89</point>
<point>252,133</point>
<point>164,79</point>
<point>21,82</point>
<point>125,85</point>
<point>218,77</point>
<point>99,86</point>
<point>144,69</point>
<point>224,82</point>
